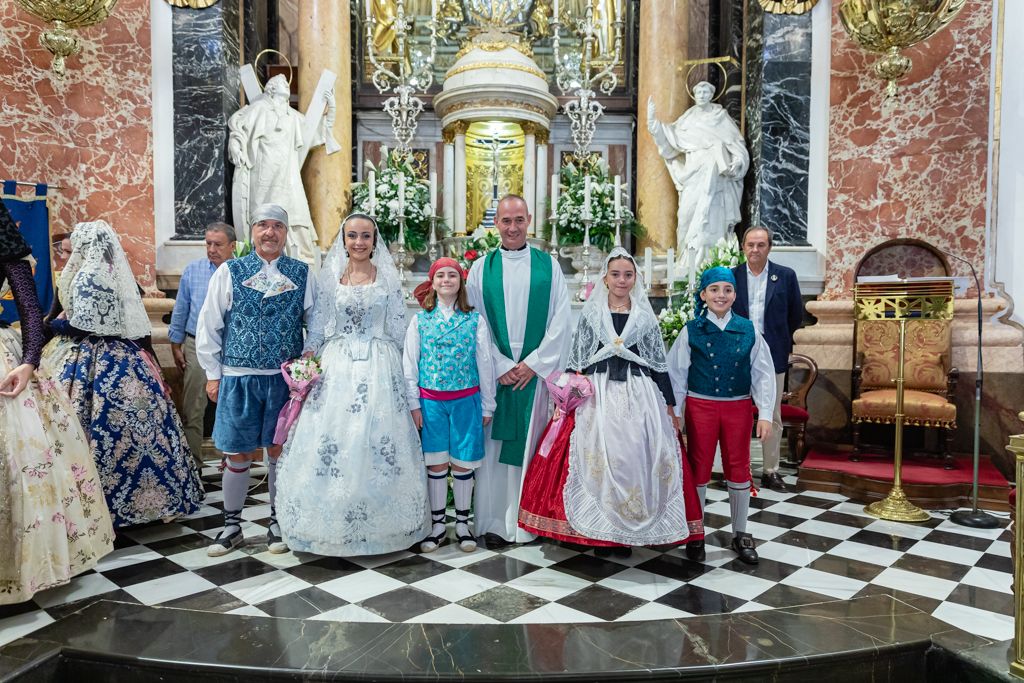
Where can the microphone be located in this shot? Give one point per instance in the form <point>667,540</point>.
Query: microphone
<point>975,518</point>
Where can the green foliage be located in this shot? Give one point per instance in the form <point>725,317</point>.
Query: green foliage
<point>480,243</point>
<point>242,248</point>
<point>602,206</point>
<point>417,203</point>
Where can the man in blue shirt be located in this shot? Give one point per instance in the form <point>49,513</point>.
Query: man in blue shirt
<point>195,279</point>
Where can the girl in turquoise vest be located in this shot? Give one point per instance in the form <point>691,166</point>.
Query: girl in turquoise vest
<point>451,394</point>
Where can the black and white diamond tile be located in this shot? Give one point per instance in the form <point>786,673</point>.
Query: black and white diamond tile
<point>814,547</point>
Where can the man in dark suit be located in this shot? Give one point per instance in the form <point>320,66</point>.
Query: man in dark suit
<point>769,295</point>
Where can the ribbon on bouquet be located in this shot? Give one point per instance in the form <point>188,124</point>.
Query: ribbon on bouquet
<point>300,375</point>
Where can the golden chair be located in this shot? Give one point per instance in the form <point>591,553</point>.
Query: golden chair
<point>929,381</point>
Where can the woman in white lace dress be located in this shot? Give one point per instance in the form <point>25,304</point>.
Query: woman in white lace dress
<point>351,479</point>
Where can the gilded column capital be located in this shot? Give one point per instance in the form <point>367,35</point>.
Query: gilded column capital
<point>542,135</point>
<point>449,132</point>
<point>530,128</point>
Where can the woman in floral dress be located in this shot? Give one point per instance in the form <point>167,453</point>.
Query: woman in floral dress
<point>103,358</point>
<point>54,522</point>
<point>351,479</point>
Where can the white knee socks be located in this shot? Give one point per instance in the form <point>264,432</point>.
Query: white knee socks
<point>437,491</point>
<point>235,484</point>
<point>739,505</point>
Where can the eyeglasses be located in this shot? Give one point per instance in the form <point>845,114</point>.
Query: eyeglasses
<point>518,220</point>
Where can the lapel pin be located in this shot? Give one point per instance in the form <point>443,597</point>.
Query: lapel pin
<point>774,277</point>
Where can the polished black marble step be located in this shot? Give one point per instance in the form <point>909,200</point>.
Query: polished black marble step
<point>876,638</point>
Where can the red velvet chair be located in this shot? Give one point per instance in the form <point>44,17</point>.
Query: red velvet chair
<point>794,405</point>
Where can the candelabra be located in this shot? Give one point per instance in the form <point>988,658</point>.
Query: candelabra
<point>618,231</point>
<point>403,76</point>
<point>585,253</point>
<point>432,249</point>
<point>581,79</point>
<point>400,253</point>
<point>554,232</point>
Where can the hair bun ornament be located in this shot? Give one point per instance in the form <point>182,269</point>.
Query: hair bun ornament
<point>421,291</point>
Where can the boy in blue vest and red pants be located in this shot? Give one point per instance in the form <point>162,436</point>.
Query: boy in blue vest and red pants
<point>451,388</point>
<point>718,363</point>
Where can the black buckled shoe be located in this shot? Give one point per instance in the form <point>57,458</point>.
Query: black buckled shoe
<point>493,541</point>
<point>743,545</point>
<point>773,480</point>
<point>695,551</point>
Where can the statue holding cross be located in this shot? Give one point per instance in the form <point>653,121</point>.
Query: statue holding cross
<point>268,142</point>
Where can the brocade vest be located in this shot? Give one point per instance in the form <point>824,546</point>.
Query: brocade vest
<point>448,350</point>
<point>720,359</point>
<point>264,326</point>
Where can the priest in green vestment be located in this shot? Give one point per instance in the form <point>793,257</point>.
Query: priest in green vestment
<point>523,295</point>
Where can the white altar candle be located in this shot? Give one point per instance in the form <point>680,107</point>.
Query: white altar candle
<point>648,266</point>
<point>373,193</point>
<point>554,194</point>
<point>618,197</point>
<point>434,9</point>
<point>433,193</point>
<point>586,198</point>
<point>369,12</point>
<point>670,268</point>
<point>401,194</point>
<point>555,11</point>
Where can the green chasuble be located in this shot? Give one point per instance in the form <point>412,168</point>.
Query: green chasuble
<point>512,415</point>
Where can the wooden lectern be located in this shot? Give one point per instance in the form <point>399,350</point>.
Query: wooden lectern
<point>900,301</point>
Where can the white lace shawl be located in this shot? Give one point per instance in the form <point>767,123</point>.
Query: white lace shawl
<point>98,289</point>
<point>324,320</point>
<point>595,338</point>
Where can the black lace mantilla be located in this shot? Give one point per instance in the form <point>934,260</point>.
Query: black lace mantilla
<point>12,245</point>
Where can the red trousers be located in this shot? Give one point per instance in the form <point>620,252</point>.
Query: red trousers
<point>710,423</point>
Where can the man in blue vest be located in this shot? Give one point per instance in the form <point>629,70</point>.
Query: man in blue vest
<point>769,296</point>
<point>251,322</point>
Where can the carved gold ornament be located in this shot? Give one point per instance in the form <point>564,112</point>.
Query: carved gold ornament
<point>890,26</point>
<point>194,4</point>
<point>787,6</point>
<point>65,15</point>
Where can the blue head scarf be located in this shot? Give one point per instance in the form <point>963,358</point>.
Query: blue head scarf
<point>708,278</point>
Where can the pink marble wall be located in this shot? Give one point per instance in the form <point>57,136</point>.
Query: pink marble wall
<point>91,131</point>
<point>921,171</point>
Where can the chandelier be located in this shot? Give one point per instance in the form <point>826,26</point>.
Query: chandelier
<point>890,26</point>
<point>65,15</point>
<point>591,66</point>
<point>411,71</point>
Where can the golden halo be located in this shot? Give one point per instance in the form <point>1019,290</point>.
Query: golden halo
<point>725,80</point>
<point>256,62</point>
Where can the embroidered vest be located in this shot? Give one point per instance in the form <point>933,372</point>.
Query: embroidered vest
<point>448,350</point>
<point>720,359</point>
<point>263,331</point>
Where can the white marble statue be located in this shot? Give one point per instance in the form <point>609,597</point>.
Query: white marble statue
<point>707,158</point>
<point>267,146</point>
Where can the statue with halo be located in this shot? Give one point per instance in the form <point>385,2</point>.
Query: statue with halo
<point>707,158</point>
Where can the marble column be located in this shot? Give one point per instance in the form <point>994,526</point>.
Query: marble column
<point>448,187</point>
<point>205,45</point>
<point>663,43</point>
<point>530,170</point>
<point>459,188</point>
<point>325,43</point>
<point>778,122</point>
<point>541,211</point>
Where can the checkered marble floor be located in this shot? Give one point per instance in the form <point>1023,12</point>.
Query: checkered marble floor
<point>814,547</point>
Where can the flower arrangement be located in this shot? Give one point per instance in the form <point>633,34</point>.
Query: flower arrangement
<point>300,375</point>
<point>569,220</point>
<point>726,252</point>
<point>477,246</point>
<point>416,200</point>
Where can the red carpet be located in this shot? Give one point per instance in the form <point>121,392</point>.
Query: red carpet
<point>915,470</point>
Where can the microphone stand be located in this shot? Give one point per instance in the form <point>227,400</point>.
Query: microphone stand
<point>975,518</point>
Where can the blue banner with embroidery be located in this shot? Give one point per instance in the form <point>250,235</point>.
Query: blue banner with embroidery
<point>33,219</point>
